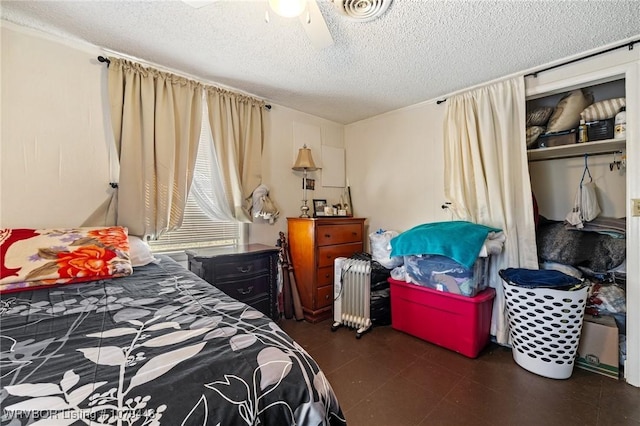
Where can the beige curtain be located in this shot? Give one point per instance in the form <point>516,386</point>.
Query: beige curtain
<point>487,176</point>
<point>237,128</point>
<point>156,120</point>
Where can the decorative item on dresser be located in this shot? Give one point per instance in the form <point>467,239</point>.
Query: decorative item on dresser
<point>304,163</point>
<point>315,243</point>
<point>247,273</point>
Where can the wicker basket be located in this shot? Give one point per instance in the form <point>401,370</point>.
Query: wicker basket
<point>545,326</point>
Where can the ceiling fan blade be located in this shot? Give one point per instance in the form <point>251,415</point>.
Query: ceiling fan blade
<point>315,26</point>
<point>199,3</point>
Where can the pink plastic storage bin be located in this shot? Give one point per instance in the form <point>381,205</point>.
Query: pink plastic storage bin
<point>458,323</point>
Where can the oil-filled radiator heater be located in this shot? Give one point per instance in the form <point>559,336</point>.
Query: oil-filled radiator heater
<point>352,294</point>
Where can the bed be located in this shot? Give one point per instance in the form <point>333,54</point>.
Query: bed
<point>156,346</point>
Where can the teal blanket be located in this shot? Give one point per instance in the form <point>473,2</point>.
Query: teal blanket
<point>458,240</point>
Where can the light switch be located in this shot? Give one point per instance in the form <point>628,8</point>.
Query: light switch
<point>635,207</point>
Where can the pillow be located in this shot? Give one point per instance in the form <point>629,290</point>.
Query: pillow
<point>603,110</point>
<point>140,252</point>
<point>539,116</point>
<point>36,258</point>
<point>567,113</point>
<point>532,136</point>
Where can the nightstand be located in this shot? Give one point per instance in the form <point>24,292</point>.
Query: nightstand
<point>247,273</point>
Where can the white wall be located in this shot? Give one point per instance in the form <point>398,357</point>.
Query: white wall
<point>55,169</point>
<point>56,138</point>
<point>395,167</point>
<point>284,184</point>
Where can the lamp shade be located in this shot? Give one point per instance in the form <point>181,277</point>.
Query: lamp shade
<point>304,160</point>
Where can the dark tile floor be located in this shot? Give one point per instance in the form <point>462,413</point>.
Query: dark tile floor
<point>389,378</point>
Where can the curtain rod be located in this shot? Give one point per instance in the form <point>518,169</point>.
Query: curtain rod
<point>611,49</point>
<point>108,62</point>
<point>535,73</point>
<point>561,157</point>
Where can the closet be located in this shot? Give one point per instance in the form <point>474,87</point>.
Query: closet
<point>556,171</point>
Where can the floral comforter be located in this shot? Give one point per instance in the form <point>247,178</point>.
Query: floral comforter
<point>161,346</point>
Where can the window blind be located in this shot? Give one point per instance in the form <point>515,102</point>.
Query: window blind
<point>197,230</point>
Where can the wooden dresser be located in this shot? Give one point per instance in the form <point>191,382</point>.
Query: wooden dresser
<point>247,273</point>
<point>314,244</point>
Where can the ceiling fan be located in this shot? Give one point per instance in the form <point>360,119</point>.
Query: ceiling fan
<point>311,17</point>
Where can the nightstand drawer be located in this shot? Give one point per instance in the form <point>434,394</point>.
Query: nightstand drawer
<point>240,268</point>
<point>327,254</point>
<point>247,273</point>
<point>339,234</point>
<point>244,290</point>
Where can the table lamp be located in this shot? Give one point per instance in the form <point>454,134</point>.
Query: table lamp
<point>304,163</point>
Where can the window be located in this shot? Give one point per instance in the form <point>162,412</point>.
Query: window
<point>197,229</point>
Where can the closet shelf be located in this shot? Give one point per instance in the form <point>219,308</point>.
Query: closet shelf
<point>577,150</point>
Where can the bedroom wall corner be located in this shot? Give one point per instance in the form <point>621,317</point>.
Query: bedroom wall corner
<point>278,157</point>
<point>395,167</point>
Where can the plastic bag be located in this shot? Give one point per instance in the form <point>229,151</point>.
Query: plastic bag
<point>380,242</point>
<point>585,205</point>
<point>262,208</point>
<point>589,207</point>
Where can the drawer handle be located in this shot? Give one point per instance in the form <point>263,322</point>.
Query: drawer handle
<point>327,275</point>
<point>327,235</point>
<point>245,292</point>
<point>244,269</point>
<point>326,297</point>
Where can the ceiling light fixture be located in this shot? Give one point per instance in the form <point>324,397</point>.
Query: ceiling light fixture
<point>288,8</point>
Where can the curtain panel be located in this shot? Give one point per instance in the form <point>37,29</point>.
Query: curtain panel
<point>156,120</point>
<point>237,128</point>
<point>487,176</point>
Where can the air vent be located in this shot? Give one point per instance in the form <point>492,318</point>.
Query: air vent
<point>362,10</point>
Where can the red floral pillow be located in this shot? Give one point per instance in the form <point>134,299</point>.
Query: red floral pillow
<point>45,257</point>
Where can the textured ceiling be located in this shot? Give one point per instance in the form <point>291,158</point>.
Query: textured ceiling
<point>416,51</point>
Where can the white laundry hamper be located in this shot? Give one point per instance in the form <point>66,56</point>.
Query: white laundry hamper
<point>545,326</point>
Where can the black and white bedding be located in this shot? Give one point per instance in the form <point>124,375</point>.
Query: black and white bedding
<point>158,347</point>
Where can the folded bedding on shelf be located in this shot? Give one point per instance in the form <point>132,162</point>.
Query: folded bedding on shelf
<point>616,228</point>
<point>591,251</point>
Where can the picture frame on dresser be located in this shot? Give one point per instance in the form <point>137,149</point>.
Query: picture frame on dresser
<point>318,207</point>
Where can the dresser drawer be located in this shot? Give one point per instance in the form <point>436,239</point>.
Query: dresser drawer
<point>244,290</point>
<point>339,234</point>
<point>324,296</point>
<point>327,254</point>
<point>237,268</point>
<point>325,276</point>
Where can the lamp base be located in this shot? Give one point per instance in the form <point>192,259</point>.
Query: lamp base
<point>305,209</point>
